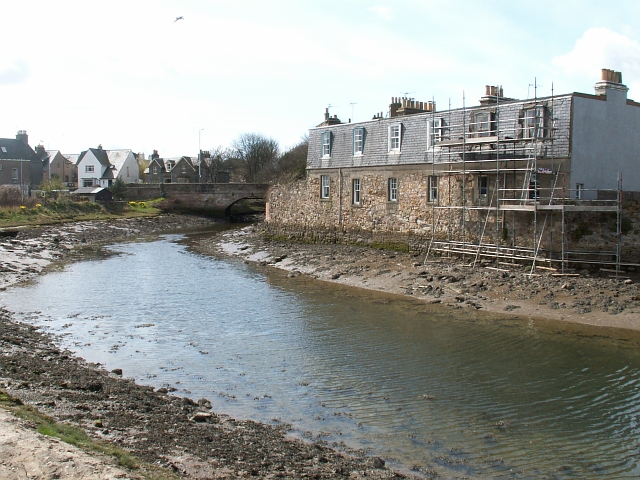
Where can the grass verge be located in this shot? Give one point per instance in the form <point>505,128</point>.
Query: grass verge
<point>76,436</point>
<point>64,211</point>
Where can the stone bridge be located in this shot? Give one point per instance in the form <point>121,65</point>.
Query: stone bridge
<point>209,198</point>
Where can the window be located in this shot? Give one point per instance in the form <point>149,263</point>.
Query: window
<point>4,149</point>
<point>483,187</point>
<point>356,191</point>
<point>14,175</point>
<point>483,124</point>
<point>326,144</point>
<point>434,131</point>
<point>88,168</point>
<point>358,141</point>
<point>0,167</point>
<point>127,171</point>
<point>156,170</point>
<point>184,170</point>
<point>433,189</point>
<point>394,137</point>
<point>324,186</point>
<point>87,182</point>
<point>579,190</point>
<point>393,189</point>
<point>534,186</point>
<point>534,122</point>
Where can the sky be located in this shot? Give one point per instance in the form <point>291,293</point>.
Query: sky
<point>126,74</point>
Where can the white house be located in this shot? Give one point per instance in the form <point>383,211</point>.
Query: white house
<point>101,167</point>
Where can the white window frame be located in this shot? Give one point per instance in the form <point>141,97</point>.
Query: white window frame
<point>579,190</point>
<point>358,141</point>
<point>533,122</point>
<point>433,188</point>
<point>14,175</point>
<point>325,183</point>
<point>87,182</point>
<point>395,138</point>
<point>393,189</point>
<point>355,183</point>
<point>156,169</point>
<point>89,168</point>
<point>326,144</point>
<point>438,128</point>
<point>483,124</point>
<point>4,149</point>
<point>534,186</point>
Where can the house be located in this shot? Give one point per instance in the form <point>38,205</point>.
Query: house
<point>57,165</point>
<point>502,172</point>
<point>19,163</point>
<point>97,166</point>
<point>171,170</point>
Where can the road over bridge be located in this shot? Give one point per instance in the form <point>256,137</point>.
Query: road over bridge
<point>209,198</point>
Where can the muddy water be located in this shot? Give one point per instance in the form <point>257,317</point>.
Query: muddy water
<point>432,389</point>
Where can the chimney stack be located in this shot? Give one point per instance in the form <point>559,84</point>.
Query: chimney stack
<point>493,93</point>
<point>23,137</point>
<point>611,82</point>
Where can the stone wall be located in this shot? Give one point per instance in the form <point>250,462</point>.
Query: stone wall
<point>296,211</point>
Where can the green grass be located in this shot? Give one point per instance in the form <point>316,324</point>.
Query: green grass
<point>64,211</point>
<point>76,436</point>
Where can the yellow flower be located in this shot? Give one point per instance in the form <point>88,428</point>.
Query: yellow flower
<point>22,207</point>
<point>132,203</point>
<point>38,205</point>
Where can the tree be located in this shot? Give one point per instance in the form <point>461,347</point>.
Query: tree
<point>258,156</point>
<point>214,162</point>
<point>51,187</point>
<point>292,165</point>
<point>119,189</point>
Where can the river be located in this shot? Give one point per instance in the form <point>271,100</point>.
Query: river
<point>430,389</point>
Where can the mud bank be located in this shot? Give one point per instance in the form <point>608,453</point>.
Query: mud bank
<point>578,298</point>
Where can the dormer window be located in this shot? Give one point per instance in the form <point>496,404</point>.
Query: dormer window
<point>395,138</point>
<point>483,124</point>
<point>534,122</point>
<point>358,141</point>
<point>326,144</point>
<point>4,149</point>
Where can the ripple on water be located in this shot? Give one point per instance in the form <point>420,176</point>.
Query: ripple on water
<point>456,395</point>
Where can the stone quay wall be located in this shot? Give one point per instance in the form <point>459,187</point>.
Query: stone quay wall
<point>296,211</point>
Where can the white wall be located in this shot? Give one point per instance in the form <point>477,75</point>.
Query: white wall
<point>89,160</point>
<point>605,140</point>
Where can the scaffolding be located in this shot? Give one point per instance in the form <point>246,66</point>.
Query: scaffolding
<point>528,180</point>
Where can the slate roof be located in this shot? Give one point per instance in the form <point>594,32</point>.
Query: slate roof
<point>88,190</point>
<point>99,153</point>
<point>118,157</point>
<point>16,149</point>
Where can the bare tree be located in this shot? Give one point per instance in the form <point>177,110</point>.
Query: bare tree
<point>258,155</point>
<point>292,165</point>
<point>214,162</point>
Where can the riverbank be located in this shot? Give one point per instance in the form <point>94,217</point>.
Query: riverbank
<point>180,434</point>
<point>569,300</point>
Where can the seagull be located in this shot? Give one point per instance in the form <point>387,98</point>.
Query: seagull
<point>178,18</point>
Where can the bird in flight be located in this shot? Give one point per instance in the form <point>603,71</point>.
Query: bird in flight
<point>178,18</point>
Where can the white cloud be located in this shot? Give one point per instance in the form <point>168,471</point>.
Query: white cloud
<point>601,48</point>
<point>14,72</point>
<point>383,12</point>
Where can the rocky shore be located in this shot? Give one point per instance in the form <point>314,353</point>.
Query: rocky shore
<point>596,299</point>
<point>181,434</point>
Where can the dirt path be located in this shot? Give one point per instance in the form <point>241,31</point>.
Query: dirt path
<point>579,299</point>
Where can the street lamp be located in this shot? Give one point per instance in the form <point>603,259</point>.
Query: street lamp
<point>199,157</point>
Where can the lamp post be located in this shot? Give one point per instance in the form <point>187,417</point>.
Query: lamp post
<point>199,157</point>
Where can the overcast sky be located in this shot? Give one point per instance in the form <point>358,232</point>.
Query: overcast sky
<point>125,74</point>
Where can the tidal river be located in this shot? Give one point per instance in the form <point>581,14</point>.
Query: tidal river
<point>428,388</point>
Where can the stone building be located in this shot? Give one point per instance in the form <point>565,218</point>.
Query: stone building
<point>498,175</point>
<point>19,164</point>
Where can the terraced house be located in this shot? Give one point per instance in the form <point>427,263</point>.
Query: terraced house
<point>502,174</point>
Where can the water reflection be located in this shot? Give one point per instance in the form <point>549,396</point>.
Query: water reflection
<point>449,392</point>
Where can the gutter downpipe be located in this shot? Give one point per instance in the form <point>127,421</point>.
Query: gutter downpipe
<point>340,198</point>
